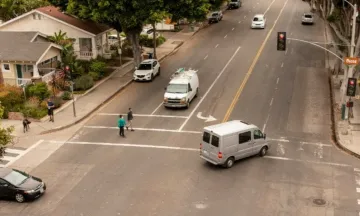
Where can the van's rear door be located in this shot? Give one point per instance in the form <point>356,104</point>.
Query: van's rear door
<point>210,146</point>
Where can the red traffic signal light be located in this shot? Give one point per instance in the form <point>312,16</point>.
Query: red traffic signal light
<point>281,36</point>
<point>281,41</point>
<point>351,87</point>
<point>351,82</point>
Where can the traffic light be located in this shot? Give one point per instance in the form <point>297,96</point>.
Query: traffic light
<point>281,41</point>
<point>351,87</point>
<point>68,73</point>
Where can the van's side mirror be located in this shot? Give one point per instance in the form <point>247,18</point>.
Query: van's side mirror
<point>264,135</point>
<point>165,88</point>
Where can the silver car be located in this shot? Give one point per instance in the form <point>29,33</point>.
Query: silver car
<point>307,18</point>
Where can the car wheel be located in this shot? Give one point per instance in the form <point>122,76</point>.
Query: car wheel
<point>263,151</point>
<point>152,77</point>
<point>197,92</point>
<point>188,104</point>
<point>19,198</point>
<point>229,162</point>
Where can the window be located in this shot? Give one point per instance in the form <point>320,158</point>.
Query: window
<point>206,137</point>
<point>6,67</point>
<point>177,88</point>
<point>2,182</point>
<point>256,19</point>
<point>215,141</point>
<point>215,14</point>
<point>16,178</point>
<point>189,86</point>
<point>244,137</point>
<point>308,16</point>
<point>145,67</point>
<point>258,134</point>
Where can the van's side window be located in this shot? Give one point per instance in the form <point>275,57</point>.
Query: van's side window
<point>206,137</point>
<point>215,141</point>
<point>258,134</point>
<point>189,86</point>
<point>244,137</point>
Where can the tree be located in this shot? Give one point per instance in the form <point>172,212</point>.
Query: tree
<point>216,4</point>
<point>5,134</point>
<point>155,17</point>
<point>10,9</point>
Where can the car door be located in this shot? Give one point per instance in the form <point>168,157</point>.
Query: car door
<point>245,145</point>
<point>155,71</point>
<point>6,189</point>
<point>259,141</point>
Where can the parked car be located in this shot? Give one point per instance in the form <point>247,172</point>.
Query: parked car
<point>147,70</point>
<point>234,4</point>
<point>307,18</point>
<point>182,88</point>
<point>18,185</point>
<point>259,21</point>
<point>215,17</point>
<point>224,143</point>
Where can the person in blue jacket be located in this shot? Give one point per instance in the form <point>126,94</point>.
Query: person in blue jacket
<point>121,125</point>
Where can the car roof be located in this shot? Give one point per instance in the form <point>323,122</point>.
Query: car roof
<point>4,171</point>
<point>148,61</point>
<point>229,127</point>
<point>259,15</point>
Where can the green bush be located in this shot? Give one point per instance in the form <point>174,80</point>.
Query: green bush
<point>97,66</point>
<point>77,70</point>
<point>33,112</point>
<point>149,42</point>
<point>57,102</point>
<point>66,96</point>
<point>94,75</point>
<point>83,83</point>
<point>85,64</point>
<point>12,99</point>
<point>39,90</point>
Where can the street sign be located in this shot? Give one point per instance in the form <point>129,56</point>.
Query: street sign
<point>351,61</point>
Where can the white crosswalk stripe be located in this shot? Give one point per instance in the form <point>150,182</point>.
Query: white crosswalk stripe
<point>11,154</point>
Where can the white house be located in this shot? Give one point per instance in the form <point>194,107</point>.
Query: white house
<point>90,38</point>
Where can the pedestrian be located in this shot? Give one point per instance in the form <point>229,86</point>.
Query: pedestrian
<point>121,125</point>
<point>50,106</point>
<point>26,124</point>
<point>130,117</point>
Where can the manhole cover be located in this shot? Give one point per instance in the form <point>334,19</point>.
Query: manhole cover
<point>319,202</point>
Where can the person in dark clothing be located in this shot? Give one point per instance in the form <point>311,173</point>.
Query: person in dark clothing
<point>26,124</point>
<point>50,106</point>
<point>130,117</point>
<point>121,125</point>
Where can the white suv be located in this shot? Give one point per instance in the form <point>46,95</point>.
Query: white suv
<point>147,70</point>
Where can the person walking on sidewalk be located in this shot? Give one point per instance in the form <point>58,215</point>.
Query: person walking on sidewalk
<point>130,117</point>
<point>121,125</point>
<point>50,106</point>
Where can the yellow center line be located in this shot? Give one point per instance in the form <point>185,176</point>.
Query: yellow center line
<point>241,88</point>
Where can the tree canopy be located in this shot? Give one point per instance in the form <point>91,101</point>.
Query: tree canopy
<point>10,9</point>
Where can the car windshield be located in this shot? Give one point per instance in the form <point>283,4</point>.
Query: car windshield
<point>177,88</point>
<point>257,19</point>
<point>234,0</point>
<point>308,16</point>
<point>214,14</point>
<point>144,67</point>
<point>16,178</point>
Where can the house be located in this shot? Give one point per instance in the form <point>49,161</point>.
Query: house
<point>27,56</point>
<point>90,38</point>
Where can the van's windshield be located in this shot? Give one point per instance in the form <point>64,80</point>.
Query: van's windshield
<point>177,88</point>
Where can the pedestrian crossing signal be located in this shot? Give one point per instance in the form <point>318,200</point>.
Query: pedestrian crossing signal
<point>281,41</point>
<point>351,87</point>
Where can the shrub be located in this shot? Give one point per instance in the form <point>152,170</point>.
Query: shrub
<point>66,96</point>
<point>83,83</point>
<point>33,102</point>
<point>12,98</point>
<point>43,105</point>
<point>85,64</point>
<point>39,90</point>
<point>149,42</point>
<point>57,102</point>
<point>33,112</point>
<point>77,70</point>
<point>94,75</point>
<point>114,47</point>
<point>97,66</point>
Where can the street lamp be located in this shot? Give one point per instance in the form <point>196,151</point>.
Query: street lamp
<point>350,72</point>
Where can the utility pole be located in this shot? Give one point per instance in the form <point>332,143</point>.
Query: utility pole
<point>67,68</point>
<point>350,71</point>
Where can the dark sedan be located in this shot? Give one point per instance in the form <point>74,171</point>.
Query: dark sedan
<point>18,185</point>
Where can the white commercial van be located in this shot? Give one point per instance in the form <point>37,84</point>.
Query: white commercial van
<point>182,89</point>
<point>224,143</point>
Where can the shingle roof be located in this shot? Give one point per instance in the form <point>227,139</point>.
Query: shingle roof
<point>17,46</point>
<point>89,26</point>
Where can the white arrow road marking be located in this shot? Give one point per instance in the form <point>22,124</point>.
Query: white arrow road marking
<point>280,149</point>
<point>208,119</point>
<point>319,151</point>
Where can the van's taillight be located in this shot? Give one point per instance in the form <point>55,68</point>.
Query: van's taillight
<point>219,155</point>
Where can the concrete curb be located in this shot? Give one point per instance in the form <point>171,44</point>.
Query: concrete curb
<point>46,118</point>
<point>107,99</point>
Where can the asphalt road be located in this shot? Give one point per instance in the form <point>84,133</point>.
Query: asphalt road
<point>156,170</point>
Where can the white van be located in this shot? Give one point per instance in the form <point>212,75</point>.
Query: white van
<point>182,89</point>
<point>224,143</point>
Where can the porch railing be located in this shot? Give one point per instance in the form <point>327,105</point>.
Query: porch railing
<point>23,81</point>
<point>84,54</point>
<point>48,76</point>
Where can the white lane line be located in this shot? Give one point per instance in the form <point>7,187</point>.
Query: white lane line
<point>206,57</point>
<point>244,17</point>
<point>278,140</point>
<point>282,64</point>
<point>232,29</point>
<point>317,144</point>
<point>24,153</point>
<point>225,36</point>
<point>216,45</point>
<point>358,201</point>
<point>356,170</point>
<point>277,80</point>
<point>286,51</point>
<point>143,129</point>
<point>144,115</point>
<point>131,145</point>
<point>308,161</point>
<point>240,21</point>
<point>267,9</point>
<point>300,142</point>
<point>207,92</point>
<point>158,107</point>
<point>264,127</point>
<point>14,151</point>
<point>358,190</point>
<point>272,99</point>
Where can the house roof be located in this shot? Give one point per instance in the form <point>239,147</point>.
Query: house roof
<point>89,26</point>
<point>19,46</point>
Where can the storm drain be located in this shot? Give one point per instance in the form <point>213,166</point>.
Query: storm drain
<point>319,202</point>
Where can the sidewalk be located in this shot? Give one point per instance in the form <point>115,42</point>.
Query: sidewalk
<point>94,98</point>
<point>346,132</point>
